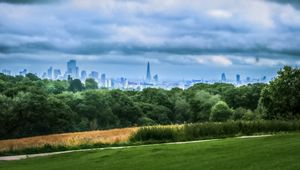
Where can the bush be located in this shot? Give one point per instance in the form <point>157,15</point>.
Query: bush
<point>156,133</point>
<point>220,112</point>
<point>212,130</point>
<point>249,115</point>
<point>239,113</point>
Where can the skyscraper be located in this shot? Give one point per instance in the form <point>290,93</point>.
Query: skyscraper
<point>83,75</point>
<point>238,78</point>
<point>49,73</point>
<point>94,75</point>
<point>155,77</point>
<point>223,77</point>
<point>56,73</point>
<point>148,76</point>
<point>72,69</point>
<point>44,76</point>
<point>248,79</point>
<point>103,78</point>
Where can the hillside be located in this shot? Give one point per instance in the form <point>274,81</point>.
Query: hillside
<point>273,152</point>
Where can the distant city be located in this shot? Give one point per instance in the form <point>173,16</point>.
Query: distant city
<point>73,72</point>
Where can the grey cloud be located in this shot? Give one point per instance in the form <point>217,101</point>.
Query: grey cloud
<point>143,30</point>
<point>294,3</point>
<point>29,1</point>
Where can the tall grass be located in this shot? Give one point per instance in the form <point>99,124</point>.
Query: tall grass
<point>211,130</point>
<point>68,140</point>
<point>157,133</point>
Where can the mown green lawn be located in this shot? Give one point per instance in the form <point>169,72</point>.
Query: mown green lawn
<point>275,152</point>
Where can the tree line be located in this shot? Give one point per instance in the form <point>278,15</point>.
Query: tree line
<point>31,106</point>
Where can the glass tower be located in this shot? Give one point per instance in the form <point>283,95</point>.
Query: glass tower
<point>148,76</point>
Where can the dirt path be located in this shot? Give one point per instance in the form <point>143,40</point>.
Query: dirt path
<point>19,157</point>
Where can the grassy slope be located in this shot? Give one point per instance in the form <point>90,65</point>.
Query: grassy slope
<point>275,152</point>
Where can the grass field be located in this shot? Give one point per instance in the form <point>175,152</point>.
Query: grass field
<point>273,152</point>
<point>69,139</point>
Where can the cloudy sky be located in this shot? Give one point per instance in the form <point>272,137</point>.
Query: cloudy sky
<point>182,39</point>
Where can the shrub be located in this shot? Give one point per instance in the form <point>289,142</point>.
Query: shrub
<point>249,115</point>
<point>212,130</point>
<point>220,112</point>
<point>156,133</point>
<point>239,113</point>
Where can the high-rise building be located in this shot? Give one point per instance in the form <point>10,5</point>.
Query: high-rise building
<point>72,69</point>
<point>56,73</point>
<point>49,73</point>
<point>124,82</point>
<point>103,78</point>
<point>223,77</point>
<point>112,83</point>
<point>108,83</point>
<point>94,75</point>
<point>238,78</point>
<point>148,76</point>
<point>44,76</point>
<point>155,77</point>
<point>83,75</point>
<point>248,79</point>
<point>77,72</point>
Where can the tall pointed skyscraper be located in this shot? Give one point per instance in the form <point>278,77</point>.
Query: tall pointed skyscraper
<point>148,77</point>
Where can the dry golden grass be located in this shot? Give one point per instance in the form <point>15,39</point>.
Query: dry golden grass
<point>69,139</point>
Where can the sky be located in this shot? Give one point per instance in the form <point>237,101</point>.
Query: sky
<point>181,39</point>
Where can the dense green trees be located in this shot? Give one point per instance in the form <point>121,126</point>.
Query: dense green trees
<point>31,106</point>
<point>281,98</point>
<point>6,106</point>
<point>201,104</point>
<point>91,84</point>
<point>76,85</point>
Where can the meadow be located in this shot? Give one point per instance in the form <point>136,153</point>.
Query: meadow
<point>112,136</point>
<point>280,151</point>
<point>143,135</point>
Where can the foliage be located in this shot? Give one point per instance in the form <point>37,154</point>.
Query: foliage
<point>281,98</point>
<point>76,85</point>
<point>220,112</point>
<point>239,113</point>
<point>91,84</point>
<point>201,104</point>
<point>156,133</point>
<point>209,130</point>
<point>32,106</point>
<point>246,96</point>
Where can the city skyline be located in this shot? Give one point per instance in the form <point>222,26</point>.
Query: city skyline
<point>73,70</point>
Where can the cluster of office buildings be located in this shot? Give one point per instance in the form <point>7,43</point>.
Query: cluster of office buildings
<point>73,72</point>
